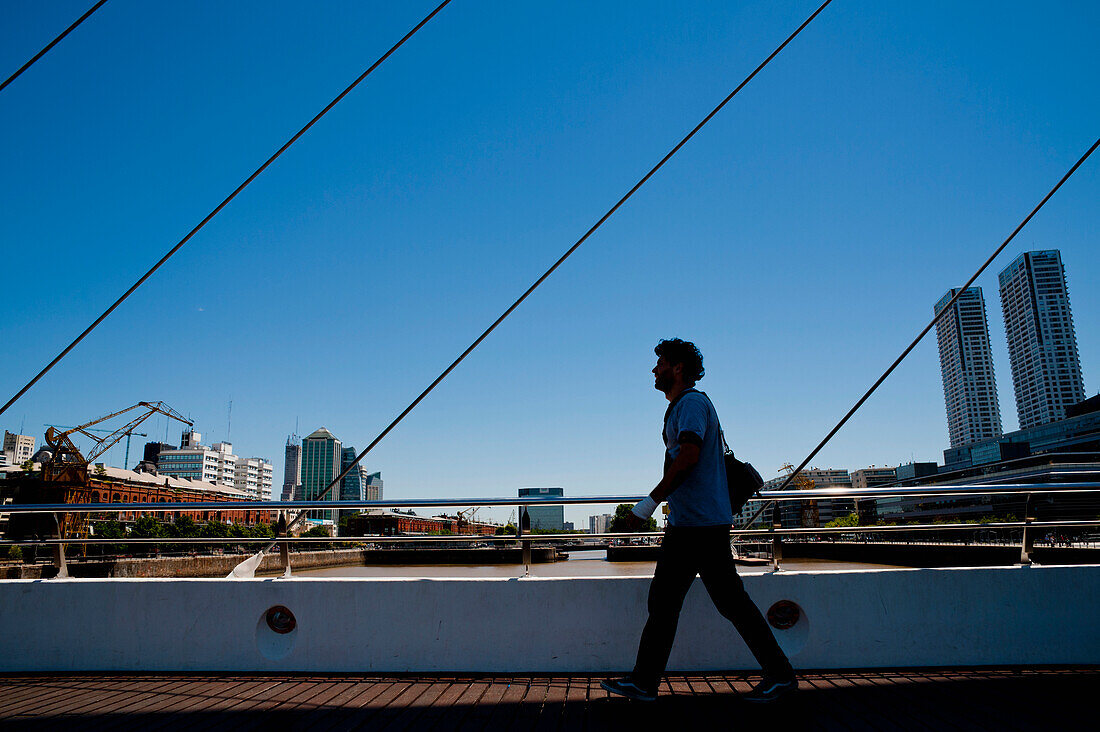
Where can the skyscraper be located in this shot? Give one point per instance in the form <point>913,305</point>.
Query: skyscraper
<point>353,487</point>
<point>320,466</point>
<point>292,468</point>
<point>1042,346</point>
<point>966,364</point>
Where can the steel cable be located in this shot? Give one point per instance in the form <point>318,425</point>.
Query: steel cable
<point>222,205</point>
<point>51,44</point>
<point>924,332</point>
<point>556,264</point>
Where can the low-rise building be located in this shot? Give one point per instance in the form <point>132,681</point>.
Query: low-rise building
<point>18,449</point>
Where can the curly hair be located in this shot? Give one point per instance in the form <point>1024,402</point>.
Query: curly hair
<point>677,351</point>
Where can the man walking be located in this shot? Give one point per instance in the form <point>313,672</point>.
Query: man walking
<point>696,541</point>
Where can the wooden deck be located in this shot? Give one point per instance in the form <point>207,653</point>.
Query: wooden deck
<point>926,699</point>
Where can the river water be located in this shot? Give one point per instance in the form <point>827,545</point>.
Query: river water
<point>588,563</point>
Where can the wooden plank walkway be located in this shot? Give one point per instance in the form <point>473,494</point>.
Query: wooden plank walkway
<point>878,699</point>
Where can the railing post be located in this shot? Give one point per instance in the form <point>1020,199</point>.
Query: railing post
<point>59,553</point>
<point>524,522</point>
<point>1027,541</point>
<point>777,547</point>
<point>284,546</point>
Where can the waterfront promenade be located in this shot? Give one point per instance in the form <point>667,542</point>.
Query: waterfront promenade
<point>1005,698</point>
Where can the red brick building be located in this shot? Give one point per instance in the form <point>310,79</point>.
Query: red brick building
<point>394,523</point>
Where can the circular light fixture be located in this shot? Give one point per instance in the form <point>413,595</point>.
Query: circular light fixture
<point>783,615</point>
<point>281,620</point>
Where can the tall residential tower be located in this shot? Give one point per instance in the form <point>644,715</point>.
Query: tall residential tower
<point>966,363</point>
<point>1042,346</point>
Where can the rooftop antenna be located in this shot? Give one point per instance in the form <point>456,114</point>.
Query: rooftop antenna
<point>229,421</point>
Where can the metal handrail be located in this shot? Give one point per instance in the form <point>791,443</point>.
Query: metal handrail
<point>773,534</point>
<point>788,495</point>
<point>373,539</point>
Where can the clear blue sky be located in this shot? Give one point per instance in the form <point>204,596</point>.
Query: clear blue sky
<point>801,239</point>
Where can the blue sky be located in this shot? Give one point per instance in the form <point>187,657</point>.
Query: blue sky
<point>801,239</point>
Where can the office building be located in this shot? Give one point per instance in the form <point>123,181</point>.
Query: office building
<point>321,461</point>
<point>253,476</point>
<point>1042,345</point>
<point>153,450</point>
<point>966,364</point>
<point>292,469</point>
<point>353,487</point>
<point>1077,433</point>
<point>18,448</point>
<point>193,460</point>
<point>545,518</point>
<point>598,524</point>
<point>374,487</point>
<point>871,477</point>
<point>808,513</point>
<point>215,464</point>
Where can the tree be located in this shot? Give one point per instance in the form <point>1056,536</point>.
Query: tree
<point>851,519</point>
<point>509,529</point>
<point>624,521</point>
<point>147,527</point>
<point>185,526</point>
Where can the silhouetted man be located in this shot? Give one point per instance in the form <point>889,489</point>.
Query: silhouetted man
<point>697,539</point>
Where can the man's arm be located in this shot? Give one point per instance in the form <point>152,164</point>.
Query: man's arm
<point>686,460</point>
<point>687,457</point>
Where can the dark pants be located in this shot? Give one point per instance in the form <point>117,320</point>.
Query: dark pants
<point>686,552</point>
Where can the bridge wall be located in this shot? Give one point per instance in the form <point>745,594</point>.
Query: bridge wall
<point>882,618</point>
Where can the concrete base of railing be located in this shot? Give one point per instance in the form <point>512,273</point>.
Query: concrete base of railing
<point>882,618</point>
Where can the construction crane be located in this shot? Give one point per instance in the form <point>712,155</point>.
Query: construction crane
<point>465,518</point>
<point>66,471</point>
<point>125,460</point>
<point>803,482</point>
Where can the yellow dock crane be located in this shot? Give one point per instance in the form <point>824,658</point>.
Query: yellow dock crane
<point>465,518</point>
<point>65,474</point>
<point>803,482</point>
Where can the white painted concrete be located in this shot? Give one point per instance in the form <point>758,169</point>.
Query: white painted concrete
<point>904,617</point>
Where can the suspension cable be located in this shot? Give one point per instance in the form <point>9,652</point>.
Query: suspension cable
<point>924,332</point>
<point>223,204</point>
<point>51,44</point>
<point>556,264</point>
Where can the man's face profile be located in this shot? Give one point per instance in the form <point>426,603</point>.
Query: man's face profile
<point>664,375</point>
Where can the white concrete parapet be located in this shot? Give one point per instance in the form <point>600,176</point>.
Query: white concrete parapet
<point>902,617</point>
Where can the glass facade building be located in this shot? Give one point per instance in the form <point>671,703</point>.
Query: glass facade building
<point>321,461</point>
<point>545,518</point>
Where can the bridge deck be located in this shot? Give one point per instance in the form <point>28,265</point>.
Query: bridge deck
<point>924,699</point>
